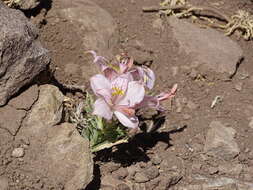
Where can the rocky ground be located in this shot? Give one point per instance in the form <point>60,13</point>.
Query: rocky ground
<point>201,145</point>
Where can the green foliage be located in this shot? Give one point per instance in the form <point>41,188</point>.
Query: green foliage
<point>101,133</point>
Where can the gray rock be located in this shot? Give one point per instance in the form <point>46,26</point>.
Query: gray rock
<point>220,141</point>
<point>121,173</point>
<point>22,56</point>
<point>222,183</point>
<point>206,48</point>
<point>26,99</point>
<point>68,154</point>
<point>11,119</point>
<point>4,184</point>
<point>55,150</point>
<point>18,152</point>
<point>141,177</point>
<point>47,111</point>
<point>151,172</point>
<point>251,123</point>
<point>170,179</point>
<point>95,26</point>
<point>231,169</point>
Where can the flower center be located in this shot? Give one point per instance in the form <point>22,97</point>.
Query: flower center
<point>116,91</point>
<point>114,67</point>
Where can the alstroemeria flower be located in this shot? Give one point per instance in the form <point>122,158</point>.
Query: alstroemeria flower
<point>124,65</point>
<point>119,97</point>
<point>155,101</point>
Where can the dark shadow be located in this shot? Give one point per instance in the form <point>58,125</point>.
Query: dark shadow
<point>135,150</point>
<point>130,153</point>
<point>95,183</point>
<point>44,5</point>
<point>237,66</point>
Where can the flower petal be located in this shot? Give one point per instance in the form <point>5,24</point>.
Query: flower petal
<point>100,61</point>
<point>149,77</point>
<point>102,109</point>
<point>164,96</point>
<point>148,102</point>
<point>101,86</point>
<point>110,73</point>
<point>135,94</point>
<point>131,122</point>
<point>119,88</point>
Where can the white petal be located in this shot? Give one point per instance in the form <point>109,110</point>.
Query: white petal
<point>131,122</point>
<point>99,83</point>
<point>134,95</point>
<point>102,109</point>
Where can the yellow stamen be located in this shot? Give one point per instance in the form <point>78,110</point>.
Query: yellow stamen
<point>114,67</point>
<point>117,91</point>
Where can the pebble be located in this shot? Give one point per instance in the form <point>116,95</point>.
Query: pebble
<point>251,123</point>
<point>213,170</point>
<point>141,177</point>
<point>18,152</point>
<point>156,160</point>
<point>238,86</point>
<point>123,186</point>
<point>121,173</point>
<point>152,172</point>
<point>191,105</point>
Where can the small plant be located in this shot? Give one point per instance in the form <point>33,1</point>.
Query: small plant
<point>120,90</point>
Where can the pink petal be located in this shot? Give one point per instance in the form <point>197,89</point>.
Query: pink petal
<point>131,122</point>
<point>119,88</point>
<point>165,96</point>
<point>102,109</point>
<point>135,94</point>
<point>101,86</point>
<point>148,102</point>
<point>100,61</point>
<point>149,77</point>
<point>110,73</point>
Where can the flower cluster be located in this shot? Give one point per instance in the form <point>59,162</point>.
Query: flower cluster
<point>121,87</point>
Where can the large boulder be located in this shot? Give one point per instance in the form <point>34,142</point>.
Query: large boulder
<point>206,49</point>
<point>21,55</point>
<point>95,25</point>
<point>57,154</point>
<point>220,141</point>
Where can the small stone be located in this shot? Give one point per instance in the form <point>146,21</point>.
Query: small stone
<point>213,170</point>
<point>4,184</point>
<point>186,117</point>
<point>220,141</point>
<point>191,105</point>
<point>152,172</point>
<point>18,152</point>
<point>121,173</point>
<point>156,160</point>
<point>238,86</point>
<point>174,71</point>
<point>250,155</point>
<point>231,169</point>
<point>251,123</point>
<point>193,74</point>
<point>123,186</point>
<point>196,167</point>
<point>141,177</point>
<point>179,106</point>
<point>132,170</point>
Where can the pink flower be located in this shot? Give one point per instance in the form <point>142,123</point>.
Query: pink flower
<point>155,101</point>
<point>124,65</point>
<point>118,96</point>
